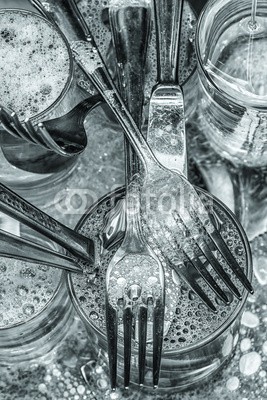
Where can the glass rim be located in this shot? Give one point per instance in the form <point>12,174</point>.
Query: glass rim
<point>53,26</point>
<point>200,65</point>
<point>211,337</point>
<point>61,283</point>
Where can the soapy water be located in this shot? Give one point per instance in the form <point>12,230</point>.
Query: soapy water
<point>187,319</point>
<point>35,59</point>
<point>25,290</point>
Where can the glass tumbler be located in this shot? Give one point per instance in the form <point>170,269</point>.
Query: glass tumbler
<point>197,342</point>
<point>231,45</point>
<point>35,309</point>
<point>43,90</point>
<point>231,50</point>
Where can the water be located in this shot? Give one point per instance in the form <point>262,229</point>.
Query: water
<point>189,320</point>
<point>25,290</point>
<point>232,41</point>
<point>235,64</point>
<point>33,57</point>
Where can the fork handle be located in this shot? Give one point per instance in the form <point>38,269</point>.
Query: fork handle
<point>23,211</point>
<point>12,246</point>
<point>168,20</point>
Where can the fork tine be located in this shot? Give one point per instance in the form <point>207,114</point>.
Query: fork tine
<point>127,326</point>
<point>184,269</point>
<point>184,274</point>
<point>33,133</point>
<point>19,127</point>
<point>158,328</point>
<point>142,343</point>
<point>219,269</point>
<point>204,249</point>
<point>208,278</point>
<point>189,254</point>
<point>230,259</point>
<point>219,243</point>
<point>112,337</point>
<point>48,141</point>
<point>5,121</point>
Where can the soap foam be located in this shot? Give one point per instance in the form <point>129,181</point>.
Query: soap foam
<point>34,63</point>
<point>25,290</point>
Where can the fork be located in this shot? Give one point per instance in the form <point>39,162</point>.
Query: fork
<point>135,295</point>
<point>166,130</point>
<point>128,298</point>
<point>157,181</point>
<point>64,135</point>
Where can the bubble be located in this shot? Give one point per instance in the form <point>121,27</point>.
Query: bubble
<point>22,290</point>
<point>93,315</point>
<point>27,273</point>
<point>2,267</point>
<point>47,67</point>
<point>28,309</point>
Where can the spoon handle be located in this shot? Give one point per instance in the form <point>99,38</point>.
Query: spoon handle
<point>23,211</point>
<point>12,246</point>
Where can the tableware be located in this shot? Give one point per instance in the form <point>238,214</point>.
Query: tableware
<point>162,221</point>
<point>135,294</point>
<point>127,296</point>
<point>23,211</point>
<point>12,246</point>
<point>65,135</point>
<point>166,120</point>
<point>230,52</point>
<point>197,342</point>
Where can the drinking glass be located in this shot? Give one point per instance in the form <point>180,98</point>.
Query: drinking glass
<point>35,309</point>
<point>231,44</point>
<point>197,342</point>
<point>25,167</point>
<point>230,53</point>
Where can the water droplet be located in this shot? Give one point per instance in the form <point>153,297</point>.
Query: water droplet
<point>245,344</point>
<point>250,363</point>
<point>232,383</point>
<point>250,320</point>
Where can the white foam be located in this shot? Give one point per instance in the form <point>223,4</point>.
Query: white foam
<point>34,63</point>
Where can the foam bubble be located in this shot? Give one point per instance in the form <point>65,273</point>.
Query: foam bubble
<point>33,58</point>
<point>23,294</point>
